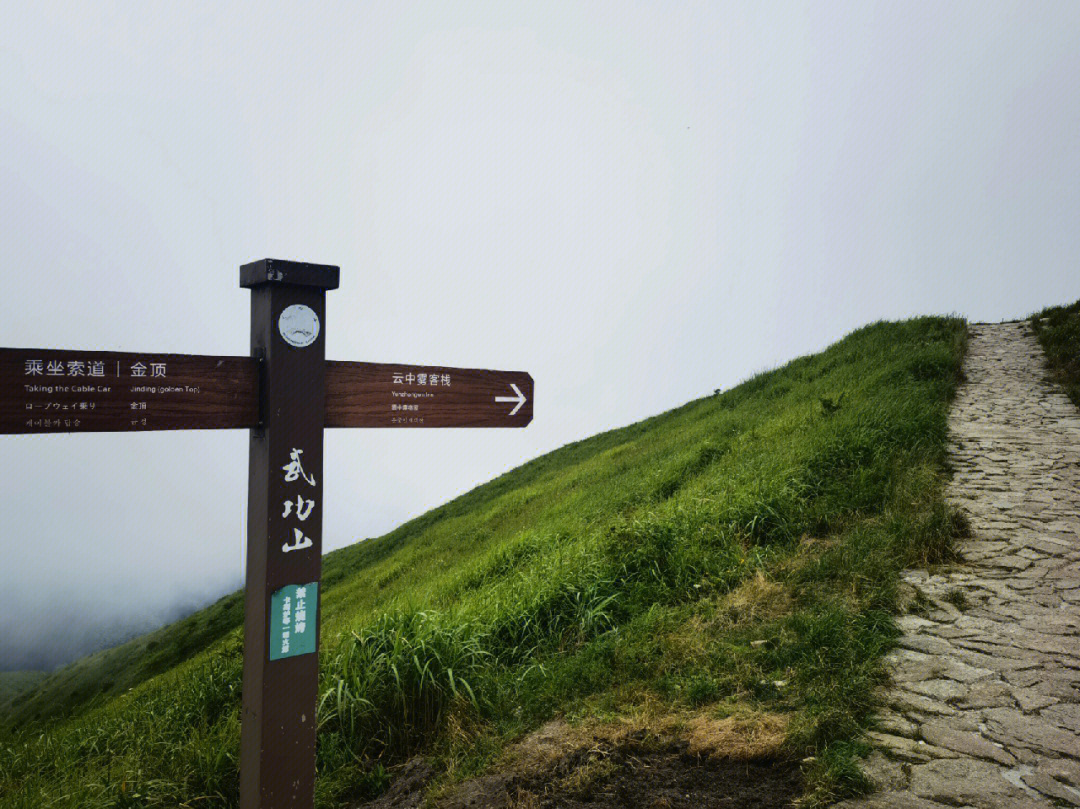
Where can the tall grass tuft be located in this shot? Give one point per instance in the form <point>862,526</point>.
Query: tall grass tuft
<point>391,683</point>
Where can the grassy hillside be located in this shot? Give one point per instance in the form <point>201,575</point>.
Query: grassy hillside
<point>1058,330</point>
<point>13,683</point>
<point>93,679</point>
<point>737,556</point>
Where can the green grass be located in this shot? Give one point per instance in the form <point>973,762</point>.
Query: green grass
<point>13,683</point>
<point>958,598</point>
<point>640,567</point>
<point>1058,330</point>
<point>94,679</point>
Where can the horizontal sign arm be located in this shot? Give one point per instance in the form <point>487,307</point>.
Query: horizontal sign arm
<point>370,394</point>
<point>57,391</point>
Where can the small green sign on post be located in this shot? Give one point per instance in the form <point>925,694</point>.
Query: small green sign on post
<point>293,620</point>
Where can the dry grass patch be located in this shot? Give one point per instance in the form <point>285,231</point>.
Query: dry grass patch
<point>757,735</point>
<point>757,600</point>
<point>593,762</point>
<point>808,550</point>
<point>742,737</point>
<point>542,748</point>
<point>687,642</point>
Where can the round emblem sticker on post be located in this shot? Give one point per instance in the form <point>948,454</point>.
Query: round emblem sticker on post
<point>298,325</point>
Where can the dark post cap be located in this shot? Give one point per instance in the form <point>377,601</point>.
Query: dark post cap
<point>297,273</point>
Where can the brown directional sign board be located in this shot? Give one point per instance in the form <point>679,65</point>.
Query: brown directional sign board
<point>370,394</point>
<point>285,393</point>
<point>55,391</point>
<point>51,391</point>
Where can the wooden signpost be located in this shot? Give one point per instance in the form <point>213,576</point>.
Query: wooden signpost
<point>286,393</point>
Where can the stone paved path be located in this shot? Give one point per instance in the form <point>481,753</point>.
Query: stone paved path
<point>985,706</point>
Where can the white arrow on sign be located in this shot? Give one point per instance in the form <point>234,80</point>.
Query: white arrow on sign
<point>520,399</point>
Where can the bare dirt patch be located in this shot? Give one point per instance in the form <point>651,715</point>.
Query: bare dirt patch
<point>732,763</point>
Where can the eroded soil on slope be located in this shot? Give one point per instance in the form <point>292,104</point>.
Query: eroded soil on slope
<point>721,764</point>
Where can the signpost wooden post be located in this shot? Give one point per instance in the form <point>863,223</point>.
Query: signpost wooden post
<point>284,546</point>
<point>286,393</point>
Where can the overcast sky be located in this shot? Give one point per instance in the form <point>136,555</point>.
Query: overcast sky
<point>636,202</point>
